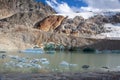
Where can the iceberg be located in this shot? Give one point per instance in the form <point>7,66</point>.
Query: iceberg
<point>33,50</point>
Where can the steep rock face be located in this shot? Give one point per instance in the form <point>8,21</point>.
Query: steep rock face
<point>16,6</point>
<point>5,8</point>
<point>22,13</point>
<point>50,23</point>
<point>27,19</point>
<point>17,23</point>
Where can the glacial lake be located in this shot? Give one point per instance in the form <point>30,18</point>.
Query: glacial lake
<point>61,61</point>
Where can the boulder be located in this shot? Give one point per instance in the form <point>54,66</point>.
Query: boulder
<point>50,23</point>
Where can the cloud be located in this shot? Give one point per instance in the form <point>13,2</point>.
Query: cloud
<point>62,7</point>
<point>93,5</point>
<point>76,9</point>
<point>103,4</point>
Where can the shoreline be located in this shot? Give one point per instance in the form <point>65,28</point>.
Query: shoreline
<point>61,76</point>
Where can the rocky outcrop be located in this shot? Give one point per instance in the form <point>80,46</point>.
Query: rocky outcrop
<point>79,26</point>
<point>50,23</point>
<point>69,26</point>
<point>91,27</point>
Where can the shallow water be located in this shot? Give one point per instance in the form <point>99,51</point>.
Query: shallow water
<point>67,61</point>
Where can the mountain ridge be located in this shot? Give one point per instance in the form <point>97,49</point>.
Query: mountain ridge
<point>20,32</point>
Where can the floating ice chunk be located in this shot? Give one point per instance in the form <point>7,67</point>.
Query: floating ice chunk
<point>36,66</point>
<point>27,65</point>
<point>43,59</point>
<point>64,63</point>
<point>19,65</point>
<point>34,61</point>
<point>22,60</point>
<point>73,65</point>
<point>13,57</point>
<point>45,62</point>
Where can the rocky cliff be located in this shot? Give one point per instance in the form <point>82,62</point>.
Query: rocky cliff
<point>16,6</point>
<point>26,23</point>
<point>16,21</point>
<point>23,12</point>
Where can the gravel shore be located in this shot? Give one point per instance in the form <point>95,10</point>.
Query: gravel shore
<point>61,76</point>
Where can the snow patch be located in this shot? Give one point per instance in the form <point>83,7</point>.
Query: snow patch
<point>85,15</point>
<point>113,30</point>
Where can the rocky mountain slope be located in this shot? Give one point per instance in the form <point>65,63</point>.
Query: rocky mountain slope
<point>26,23</point>
<point>17,19</point>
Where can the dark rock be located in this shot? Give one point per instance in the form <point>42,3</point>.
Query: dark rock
<point>85,66</point>
<point>87,49</point>
<point>3,56</point>
<point>2,51</point>
<point>105,67</point>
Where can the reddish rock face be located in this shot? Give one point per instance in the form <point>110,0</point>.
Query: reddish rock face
<point>50,23</point>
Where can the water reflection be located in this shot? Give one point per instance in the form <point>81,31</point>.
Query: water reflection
<point>67,61</point>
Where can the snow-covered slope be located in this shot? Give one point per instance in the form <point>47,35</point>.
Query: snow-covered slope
<point>88,14</point>
<point>113,30</point>
<point>85,15</point>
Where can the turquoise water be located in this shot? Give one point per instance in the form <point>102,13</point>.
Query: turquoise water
<point>69,61</point>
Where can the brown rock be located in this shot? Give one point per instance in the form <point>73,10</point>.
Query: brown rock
<point>67,31</point>
<point>50,23</point>
<point>75,33</point>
